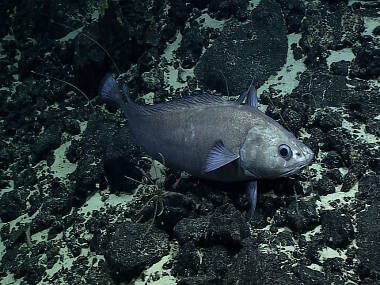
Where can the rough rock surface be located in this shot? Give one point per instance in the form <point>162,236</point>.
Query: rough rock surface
<point>80,205</point>
<point>131,248</point>
<point>246,52</point>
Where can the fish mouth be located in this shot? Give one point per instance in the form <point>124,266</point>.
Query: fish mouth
<point>309,156</point>
<point>292,171</point>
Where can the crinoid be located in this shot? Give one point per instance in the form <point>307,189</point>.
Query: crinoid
<point>152,187</point>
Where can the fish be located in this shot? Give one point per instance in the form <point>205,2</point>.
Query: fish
<point>212,138</point>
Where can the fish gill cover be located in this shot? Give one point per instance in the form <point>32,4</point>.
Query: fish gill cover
<point>70,212</point>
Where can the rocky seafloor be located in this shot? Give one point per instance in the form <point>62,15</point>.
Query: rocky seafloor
<point>69,214</point>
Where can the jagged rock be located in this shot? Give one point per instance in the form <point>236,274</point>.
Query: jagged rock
<point>131,248</point>
<point>246,51</point>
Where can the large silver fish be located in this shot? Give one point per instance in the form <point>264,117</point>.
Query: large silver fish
<point>211,138</point>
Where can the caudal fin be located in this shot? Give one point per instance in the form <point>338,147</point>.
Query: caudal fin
<point>109,91</point>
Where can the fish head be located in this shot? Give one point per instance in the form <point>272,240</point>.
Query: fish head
<point>270,151</point>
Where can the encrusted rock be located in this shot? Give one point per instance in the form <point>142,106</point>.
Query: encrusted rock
<point>131,248</point>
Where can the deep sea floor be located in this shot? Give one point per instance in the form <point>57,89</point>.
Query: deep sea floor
<point>80,205</point>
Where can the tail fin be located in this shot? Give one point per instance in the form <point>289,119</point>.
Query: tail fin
<point>110,93</point>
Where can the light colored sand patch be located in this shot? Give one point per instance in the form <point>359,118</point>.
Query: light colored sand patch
<point>205,21</point>
<point>315,267</point>
<point>121,199</point>
<point>156,271</point>
<point>339,197</point>
<point>171,78</point>
<point>41,236</point>
<point>172,75</point>
<point>61,167</point>
<point>65,261</point>
<point>9,279</point>
<point>184,74</point>
<point>93,203</point>
<point>83,126</point>
<point>288,250</point>
<point>286,79</point>
<point>148,98</point>
<point>303,134</point>
<point>172,47</point>
<point>343,170</point>
<point>358,132</point>
<point>344,54</point>
<point>369,25</point>
<point>310,234</point>
<point>105,199</point>
<point>328,252</point>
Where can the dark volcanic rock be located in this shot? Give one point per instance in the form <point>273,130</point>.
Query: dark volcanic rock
<point>191,46</point>
<point>48,141</point>
<point>355,172</point>
<point>294,11</point>
<point>227,8</point>
<point>335,175</point>
<point>324,186</point>
<point>337,228</point>
<point>368,224</point>
<point>332,160</point>
<point>90,169</point>
<point>210,270</point>
<point>320,89</point>
<point>191,229</point>
<point>309,276</point>
<point>302,215</point>
<point>340,67</point>
<point>6,155</point>
<point>119,155</point>
<point>12,205</point>
<point>328,119</point>
<point>253,266</point>
<point>177,207</point>
<point>105,149</point>
<point>330,26</point>
<point>366,64</point>
<point>246,51</point>
<point>131,248</point>
<point>187,260</point>
<point>225,226</point>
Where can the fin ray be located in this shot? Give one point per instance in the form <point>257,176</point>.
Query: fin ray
<point>218,157</point>
<point>252,194</point>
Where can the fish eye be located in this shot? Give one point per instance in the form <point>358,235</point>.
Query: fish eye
<point>285,151</point>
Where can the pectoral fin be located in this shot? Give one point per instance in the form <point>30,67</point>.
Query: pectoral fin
<point>219,156</point>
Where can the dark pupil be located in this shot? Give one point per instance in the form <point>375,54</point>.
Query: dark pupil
<point>284,151</point>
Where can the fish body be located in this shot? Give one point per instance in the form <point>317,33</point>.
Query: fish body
<point>211,138</point>
<point>185,136</point>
